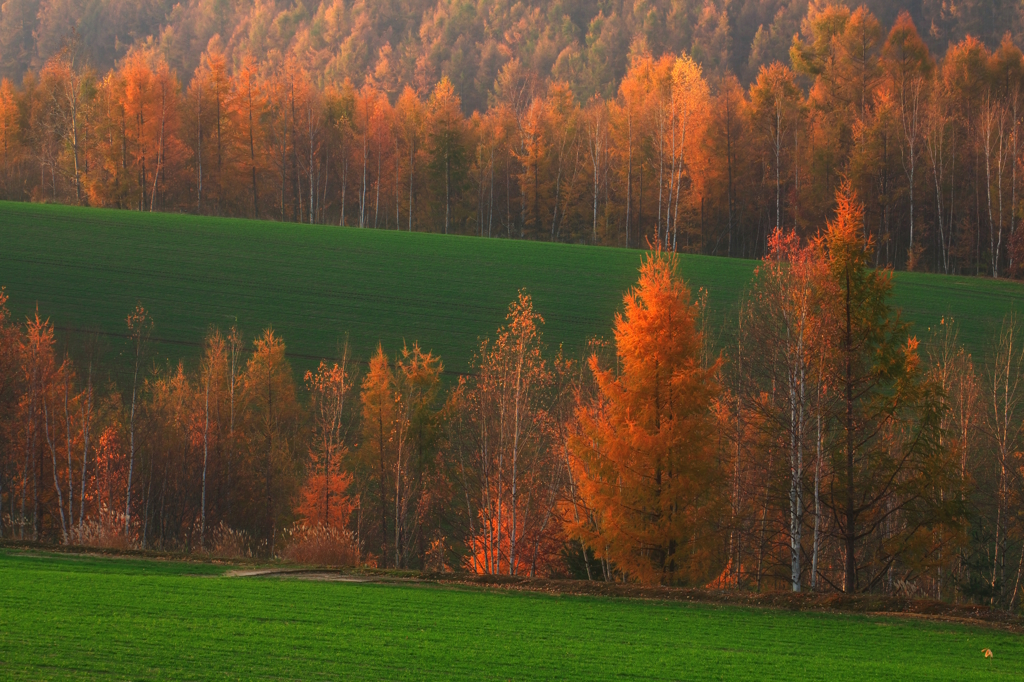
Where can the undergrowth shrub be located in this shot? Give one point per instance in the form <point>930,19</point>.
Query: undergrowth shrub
<point>321,545</point>
<point>228,543</point>
<point>106,530</point>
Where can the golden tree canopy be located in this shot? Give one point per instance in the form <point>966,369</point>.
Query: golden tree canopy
<point>645,458</point>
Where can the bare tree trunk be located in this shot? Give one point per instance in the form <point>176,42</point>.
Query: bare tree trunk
<point>56,483</point>
<point>447,181</point>
<point>312,161</point>
<point>849,536</point>
<point>629,174</point>
<point>74,93</point>
<point>67,442</point>
<point>935,147</point>
<point>516,427</point>
<point>220,153</point>
<point>796,471</point>
<point>987,129</point>
<point>160,148</point>
<point>344,176</point>
<point>206,459</point>
<point>778,163</point>
<point>86,418</point>
<point>366,158</point>
<point>199,145</point>
<point>595,154</point>
<point>252,153</point>
<point>490,201</point>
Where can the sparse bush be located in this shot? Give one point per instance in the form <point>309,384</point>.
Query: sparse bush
<point>105,530</point>
<point>228,543</point>
<point>321,545</point>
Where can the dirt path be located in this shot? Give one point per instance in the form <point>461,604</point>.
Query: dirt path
<point>316,575</point>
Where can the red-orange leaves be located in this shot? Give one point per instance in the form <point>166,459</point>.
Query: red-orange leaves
<point>324,499</point>
<point>645,458</point>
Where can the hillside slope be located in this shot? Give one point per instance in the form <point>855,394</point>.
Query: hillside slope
<point>86,268</point>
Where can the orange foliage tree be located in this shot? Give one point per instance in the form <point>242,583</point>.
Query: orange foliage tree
<point>398,451</point>
<point>645,459</point>
<point>886,449</point>
<point>508,465</point>
<point>10,141</point>
<point>324,499</point>
<point>270,432</point>
<point>445,131</point>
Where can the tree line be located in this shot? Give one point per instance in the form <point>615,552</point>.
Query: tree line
<point>826,448</point>
<point>678,155</point>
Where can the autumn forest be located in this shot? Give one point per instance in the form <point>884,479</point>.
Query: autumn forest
<point>822,445</point>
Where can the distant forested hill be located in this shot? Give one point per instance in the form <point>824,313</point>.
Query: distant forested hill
<point>705,125</point>
<point>416,42</point>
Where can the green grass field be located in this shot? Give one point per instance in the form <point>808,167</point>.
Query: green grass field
<point>86,268</point>
<point>87,618</point>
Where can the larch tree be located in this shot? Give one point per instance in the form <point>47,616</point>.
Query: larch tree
<point>214,374</point>
<point>140,327</point>
<point>172,471</point>
<point>774,113</point>
<point>908,69</point>
<point>399,434</point>
<point>417,382</point>
<point>445,132</point>
<point>725,143</point>
<point>271,434</point>
<point>40,376</point>
<point>67,94</point>
<point>628,122</point>
<point>409,118</point>
<point>887,414</point>
<point>691,108</point>
<point>9,134</point>
<point>248,104</point>
<point>562,137</point>
<point>324,500</point>
<point>211,89</point>
<point>137,102</point>
<point>164,135</point>
<point>645,460</point>
<point>373,464</point>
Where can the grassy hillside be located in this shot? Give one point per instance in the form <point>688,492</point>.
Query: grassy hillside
<point>86,268</point>
<point>85,618</point>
